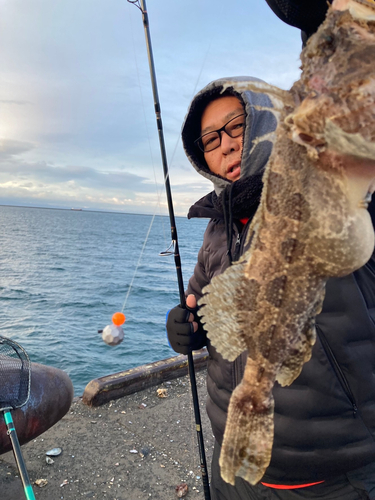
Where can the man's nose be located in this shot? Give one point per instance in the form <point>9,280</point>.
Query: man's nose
<point>229,143</point>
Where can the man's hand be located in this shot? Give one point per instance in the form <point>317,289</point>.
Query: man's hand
<point>184,331</point>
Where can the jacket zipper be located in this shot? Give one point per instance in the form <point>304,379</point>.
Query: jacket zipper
<point>340,374</point>
<point>237,246</point>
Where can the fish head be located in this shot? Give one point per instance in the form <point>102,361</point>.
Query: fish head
<point>336,92</point>
<point>334,121</point>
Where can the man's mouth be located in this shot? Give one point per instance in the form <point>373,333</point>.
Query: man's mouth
<point>233,171</point>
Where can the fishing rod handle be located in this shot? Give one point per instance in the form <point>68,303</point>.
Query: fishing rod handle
<point>202,454</point>
<point>18,456</point>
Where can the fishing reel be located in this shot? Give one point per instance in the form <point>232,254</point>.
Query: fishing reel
<point>114,334</point>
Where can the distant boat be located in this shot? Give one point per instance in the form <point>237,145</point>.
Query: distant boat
<point>77,209</point>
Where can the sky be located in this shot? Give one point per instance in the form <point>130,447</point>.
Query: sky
<point>77,120</point>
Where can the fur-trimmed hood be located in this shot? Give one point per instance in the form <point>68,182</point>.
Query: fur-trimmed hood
<point>261,123</point>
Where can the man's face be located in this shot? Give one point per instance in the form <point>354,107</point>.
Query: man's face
<point>225,160</point>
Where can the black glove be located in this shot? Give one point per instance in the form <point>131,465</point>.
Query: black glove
<point>180,331</point>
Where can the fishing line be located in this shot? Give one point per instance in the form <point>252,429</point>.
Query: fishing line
<point>136,3</point>
<point>192,95</point>
<point>203,65</point>
<point>113,333</point>
<point>142,6</point>
<point>197,80</point>
<point>138,263</point>
<point>158,194</point>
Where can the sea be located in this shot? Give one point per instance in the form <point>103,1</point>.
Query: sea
<point>64,273</point>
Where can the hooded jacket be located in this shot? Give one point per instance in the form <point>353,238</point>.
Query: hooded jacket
<point>325,420</point>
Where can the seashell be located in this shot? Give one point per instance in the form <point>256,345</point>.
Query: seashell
<point>41,482</point>
<point>162,393</point>
<point>55,452</point>
<point>49,461</point>
<point>182,490</point>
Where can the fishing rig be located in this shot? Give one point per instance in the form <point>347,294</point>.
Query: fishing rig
<point>141,5</point>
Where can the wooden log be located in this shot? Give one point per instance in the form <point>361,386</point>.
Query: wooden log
<point>101,390</point>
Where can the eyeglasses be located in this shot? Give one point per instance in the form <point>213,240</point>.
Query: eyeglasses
<point>212,140</point>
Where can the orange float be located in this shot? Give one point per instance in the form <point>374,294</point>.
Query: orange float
<point>118,318</point>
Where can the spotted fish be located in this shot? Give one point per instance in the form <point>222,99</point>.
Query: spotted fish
<point>311,224</point>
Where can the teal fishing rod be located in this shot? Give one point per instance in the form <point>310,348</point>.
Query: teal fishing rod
<point>141,4</point>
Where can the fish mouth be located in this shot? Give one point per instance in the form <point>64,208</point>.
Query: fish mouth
<point>366,201</point>
<point>344,4</point>
<point>336,112</point>
<point>359,9</point>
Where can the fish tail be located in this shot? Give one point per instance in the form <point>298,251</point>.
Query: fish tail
<point>248,437</point>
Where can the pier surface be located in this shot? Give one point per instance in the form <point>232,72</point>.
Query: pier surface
<point>140,446</point>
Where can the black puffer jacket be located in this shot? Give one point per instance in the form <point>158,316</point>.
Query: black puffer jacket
<point>222,375</point>
<point>324,421</point>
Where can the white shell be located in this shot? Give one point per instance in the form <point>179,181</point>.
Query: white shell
<point>55,452</point>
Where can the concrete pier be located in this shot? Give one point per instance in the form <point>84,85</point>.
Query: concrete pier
<point>139,446</point>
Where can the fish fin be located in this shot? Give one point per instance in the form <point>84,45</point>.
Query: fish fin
<point>248,438</point>
<point>300,352</point>
<point>221,308</point>
<point>292,366</point>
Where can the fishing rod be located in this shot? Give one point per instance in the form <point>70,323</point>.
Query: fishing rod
<point>141,4</point>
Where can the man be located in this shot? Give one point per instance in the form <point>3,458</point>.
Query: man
<point>223,151</point>
<point>324,443</point>
<point>215,125</point>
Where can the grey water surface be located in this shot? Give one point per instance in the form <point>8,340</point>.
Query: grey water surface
<point>63,273</point>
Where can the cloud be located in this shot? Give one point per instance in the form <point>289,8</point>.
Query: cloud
<point>10,147</point>
<point>13,101</point>
<point>43,183</point>
<point>77,110</point>
<point>16,171</point>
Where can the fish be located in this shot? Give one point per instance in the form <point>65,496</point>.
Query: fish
<point>312,224</point>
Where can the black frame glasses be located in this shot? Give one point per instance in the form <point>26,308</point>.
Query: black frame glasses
<point>207,147</point>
